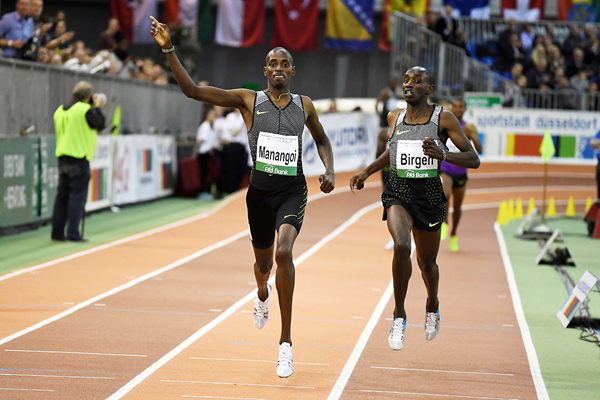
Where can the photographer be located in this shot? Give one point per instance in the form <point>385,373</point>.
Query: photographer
<point>76,124</point>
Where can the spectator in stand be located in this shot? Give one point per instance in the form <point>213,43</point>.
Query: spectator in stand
<point>513,53</point>
<point>540,77</point>
<point>32,46</point>
<point>593,97</point>
<point>504,37</point>
<point>515,71</point>
<point>44,56</point>
<point>446,25</point>
<point>430,20</point>
<point>107,38</point>
<point>576,64</point>
<point>573,41</point>
<point>60,40</point>
<point>559,73</point>
<point>527,37</point>
<point>461,41</point>
<point>580,81</point>
<point>590,33</point>
<point>592,55</point>
<point>514,94</point>
<point>539,51</point>
<point>568,98</point>
<point>555,58</point>
<point>16,28</point>
<point>550,34</point>
<point>206,141</point>
<point>237,155</point>
<point>78,62</point>
<point>56,59</point>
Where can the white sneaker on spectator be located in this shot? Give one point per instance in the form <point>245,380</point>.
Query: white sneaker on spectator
<point>285,363</point>
<point>261,310</point>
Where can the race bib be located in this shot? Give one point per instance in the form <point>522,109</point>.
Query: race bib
<point>277,154</point>
<point>412,163</point>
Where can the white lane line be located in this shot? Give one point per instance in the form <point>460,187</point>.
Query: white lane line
<point>236,384</point>
<point>534,365</point>
<point>438,395</point>
<point>260,361</point>
<point>127,239</point>
<point>127,285</point>
<point>444,371</point>
<point>339,386</point>
<point>75,352</point>
<point>188,342</point>
<point>28,390</point>
<point>219,397</point>
<point>59,376</point>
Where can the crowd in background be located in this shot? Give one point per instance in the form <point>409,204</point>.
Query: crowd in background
<point>29,34</point>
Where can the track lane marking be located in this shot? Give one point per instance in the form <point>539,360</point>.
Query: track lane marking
<point>240,359</point>
<point>58,376</point>
<point>443,371</point>
<point>236,384</point>
<point>438,395</point>
<point>74,352</point>
<point>29,390</point>
<point>534,365</point>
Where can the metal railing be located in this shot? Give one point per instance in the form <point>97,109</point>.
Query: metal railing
<point>482,31</point>
<point>31,92</point>
<point>455,72</point>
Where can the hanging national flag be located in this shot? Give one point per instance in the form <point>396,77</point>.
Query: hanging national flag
<point>134,18</point>
<point>577,10</point>
<point>295,24</point>
<point>193,14</point>
<point>349,25</point>
<point>478,9</point>
<point>240,23</point>
<point>416,8</point>
<point>523,10</point>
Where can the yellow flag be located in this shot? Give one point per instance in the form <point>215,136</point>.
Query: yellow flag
<point>547,149</point>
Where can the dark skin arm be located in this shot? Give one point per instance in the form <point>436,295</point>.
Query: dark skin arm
<point>323,144</point>
<point>450,129</point>
<point>358,181</point>
<point>471,133</point>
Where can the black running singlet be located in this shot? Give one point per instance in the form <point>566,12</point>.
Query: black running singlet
<point>275,140</point>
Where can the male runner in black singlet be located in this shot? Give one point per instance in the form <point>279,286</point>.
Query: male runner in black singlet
<point>413,198</point>
<point>277,195</point>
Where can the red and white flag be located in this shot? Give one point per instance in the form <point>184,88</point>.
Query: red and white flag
<point>523,10</point>
<point>240,23</point>
<point>295,24</point>
<point>134,18</point>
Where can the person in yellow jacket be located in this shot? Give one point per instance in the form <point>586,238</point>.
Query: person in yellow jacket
<point>76,124</point>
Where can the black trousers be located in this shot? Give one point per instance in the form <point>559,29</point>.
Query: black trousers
<point>73,181</point>
<point>234,165</point>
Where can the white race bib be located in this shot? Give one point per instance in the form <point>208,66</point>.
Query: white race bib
<point>412,163</point>
<point>277,154</point>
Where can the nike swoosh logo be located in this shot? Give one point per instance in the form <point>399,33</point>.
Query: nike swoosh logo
<point>261,112</point>
<point>290,215</point>
<point>432,225</point>
<point>400,133</point>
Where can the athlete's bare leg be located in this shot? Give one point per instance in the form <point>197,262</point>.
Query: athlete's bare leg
<point>399,224</point>
<point>285,279</point>
<point>458,195</point>
<point>262,270</point>
<point>427,246</point>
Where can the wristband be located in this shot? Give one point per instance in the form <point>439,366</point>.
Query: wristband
<point>443,155</point>
<point>169,50</point>
<point>10,43</point>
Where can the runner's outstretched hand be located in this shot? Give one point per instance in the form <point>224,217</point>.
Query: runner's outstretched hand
<point>358,181</point>
<point>327,182</point>
<point>160,33</point>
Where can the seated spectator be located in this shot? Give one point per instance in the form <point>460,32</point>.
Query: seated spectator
<point>581,81</point>
<point>16,28</point>
<point>559,73</point>
<point>576,64</point>
<point>568,98</point>
<point>515,72</point>
<point>512,53</point>
<point>504,37</point>
<point>446,25</point>
<point>44,56</point>
<point>573,41</point>
<point>107,38</point>
<point>514,94</point>
<point>56,59</point>
<point>527,37</point>
<point>555,58</point>
<point>540,77</point>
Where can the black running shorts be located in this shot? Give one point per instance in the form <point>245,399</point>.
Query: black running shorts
<point>268,210</point>
<point>426,217</point>
<point>458,181</point>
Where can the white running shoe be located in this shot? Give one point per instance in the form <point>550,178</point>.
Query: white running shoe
<point>390,245</point>
<point>261,310</point>
<point>285,363</point>
<point>396,337</point>
<point>432,324</point>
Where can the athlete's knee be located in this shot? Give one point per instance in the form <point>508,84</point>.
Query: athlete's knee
<point>283,256</point>
<point>264,266</point>
<point>402,247</point>
<point>428,266</point>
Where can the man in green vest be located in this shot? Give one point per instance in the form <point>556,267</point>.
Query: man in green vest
<point>76,124</point>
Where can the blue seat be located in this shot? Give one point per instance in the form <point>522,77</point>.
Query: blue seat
<point>490,61</point>
<point>472,50</point>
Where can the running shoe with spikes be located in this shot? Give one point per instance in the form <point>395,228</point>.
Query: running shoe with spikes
<point>261,310</point>
<point>285,363</point>
<point>432,324</point>
<point>396,337</point>
<point>444,232</point>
